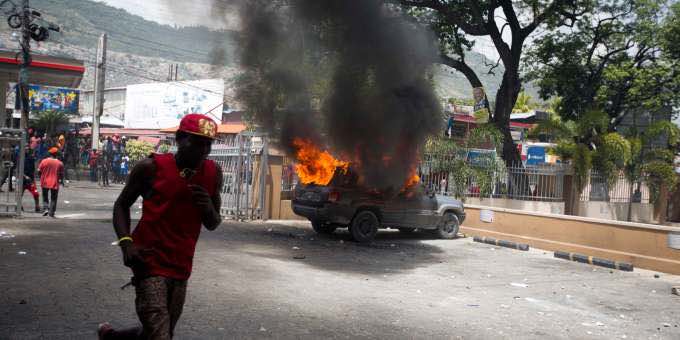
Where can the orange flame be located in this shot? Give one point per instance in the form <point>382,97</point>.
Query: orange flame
<point>313,165</point>
<point>412,180</point>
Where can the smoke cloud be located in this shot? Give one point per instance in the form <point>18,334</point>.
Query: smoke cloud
<point>350,75</point>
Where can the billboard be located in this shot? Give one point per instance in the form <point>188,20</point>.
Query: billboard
<point>162,105</point>
<point>46,98</point>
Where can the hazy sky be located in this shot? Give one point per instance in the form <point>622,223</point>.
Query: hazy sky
<point>184,13</point>
<point>198,12</point>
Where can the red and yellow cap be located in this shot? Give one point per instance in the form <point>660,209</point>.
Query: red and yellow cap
<point>53,150</point>
<point>198,124</point>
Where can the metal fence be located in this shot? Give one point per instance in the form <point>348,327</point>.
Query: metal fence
<point>12,155</point>
<point>620,191</point>
<point>243,159</point>
<point>244,163</point>
<point>535,183</point>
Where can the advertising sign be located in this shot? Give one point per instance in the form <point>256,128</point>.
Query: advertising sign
<point>45,98</point>
<point>480,110</point>
<point>162,105</point>
<point>535,155</point>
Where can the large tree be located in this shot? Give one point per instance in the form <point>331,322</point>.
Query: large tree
<point>614,59</point>
<point>459,23</point>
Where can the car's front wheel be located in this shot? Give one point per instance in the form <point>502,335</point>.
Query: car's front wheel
<point>323,228</point>
<point>448,226</point>
<point>364,226</point>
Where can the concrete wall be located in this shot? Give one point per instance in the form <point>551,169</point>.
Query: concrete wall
<point>643,213</point>
<point>543,207</point>
<point>643,245</point>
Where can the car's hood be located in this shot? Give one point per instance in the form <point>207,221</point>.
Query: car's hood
<point>448,200</point>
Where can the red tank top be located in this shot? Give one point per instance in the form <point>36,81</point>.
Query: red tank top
<point>170,223</point>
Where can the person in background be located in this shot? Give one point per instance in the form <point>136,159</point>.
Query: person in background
<point>29,178</point>
<point>92,162</point>
<point>124,164</point>
<point>103,168</point>
<point>51,172</point>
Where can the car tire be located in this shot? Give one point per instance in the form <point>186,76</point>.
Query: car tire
<point>364,226</point>
<point>323,228</point>
<point>448,227</point>
<point>407,230</point>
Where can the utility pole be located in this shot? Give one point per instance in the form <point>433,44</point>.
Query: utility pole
<point>25,62</point>
<point>99,80</point>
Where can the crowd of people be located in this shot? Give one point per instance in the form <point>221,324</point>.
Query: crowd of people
<point>60,156</point>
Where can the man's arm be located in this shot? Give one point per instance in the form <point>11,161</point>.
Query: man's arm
<point>137,183</point>
<point>133,189</point>
<point>209,205</point>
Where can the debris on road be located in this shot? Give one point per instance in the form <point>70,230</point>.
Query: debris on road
<point>675,290</point>
<point>656,276</point>
<point>299,257</point>
<point>296,248</point>
<point>21,253</point>
<point>522,285</point>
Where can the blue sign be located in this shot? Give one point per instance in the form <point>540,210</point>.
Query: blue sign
<point>44,98</point>
<point>535,155</point>
<point>478,157</point>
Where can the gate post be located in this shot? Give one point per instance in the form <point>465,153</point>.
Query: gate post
<point>264,167</point>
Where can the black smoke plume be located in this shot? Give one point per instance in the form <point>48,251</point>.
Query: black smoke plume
<point>351,75</point>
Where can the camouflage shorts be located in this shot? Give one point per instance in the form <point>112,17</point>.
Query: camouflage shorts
<point>159,304</point>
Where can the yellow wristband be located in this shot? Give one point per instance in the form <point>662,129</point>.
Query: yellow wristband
<point>125,238</point>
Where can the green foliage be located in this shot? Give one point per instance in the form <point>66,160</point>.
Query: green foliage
<point>582,162</point>
<point>659,174</point>
<point>614,59</point>
<point>451,157</point>
<point>138,150</point>
<point>670,33</point>
<point>163,148</point>
<point>613,154</point>
<point>524,103</point>
<point>555,129</point>
<point>50,121</point>
<point>666,129</point>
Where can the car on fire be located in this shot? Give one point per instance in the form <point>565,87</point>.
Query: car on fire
<point>343,204</point>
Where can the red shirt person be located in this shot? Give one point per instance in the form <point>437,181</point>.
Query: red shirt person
<point>181,192</point>
<point>51,171</point>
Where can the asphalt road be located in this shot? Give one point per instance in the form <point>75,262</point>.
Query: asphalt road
<point>61,277</point>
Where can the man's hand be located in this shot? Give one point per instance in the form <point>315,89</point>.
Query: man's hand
<point>201,198</point>
<point>132,256</point>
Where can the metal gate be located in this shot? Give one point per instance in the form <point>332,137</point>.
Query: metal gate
<point>12,155</point>
<point>243,159</point>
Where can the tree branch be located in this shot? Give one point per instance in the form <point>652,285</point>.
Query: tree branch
<point>463,68</point>
<point>501,46</point>
<point>453,17</point>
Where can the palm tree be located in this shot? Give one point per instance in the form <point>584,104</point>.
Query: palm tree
<point>524,103</point>
<point>50,120</point>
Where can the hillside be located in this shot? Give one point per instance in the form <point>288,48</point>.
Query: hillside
<point>141,51</point>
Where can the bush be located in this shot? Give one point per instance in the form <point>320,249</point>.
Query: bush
<point>138,150</point>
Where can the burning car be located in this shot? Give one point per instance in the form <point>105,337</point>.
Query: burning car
<point>343,203</point>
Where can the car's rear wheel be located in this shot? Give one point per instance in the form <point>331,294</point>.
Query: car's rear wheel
<point>364,226</point>
<point>323,228</point>
<point>448,227</point>
<point>407,230</point>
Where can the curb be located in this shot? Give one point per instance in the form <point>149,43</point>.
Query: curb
<point>502,243</point>
<point>594,261</point>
